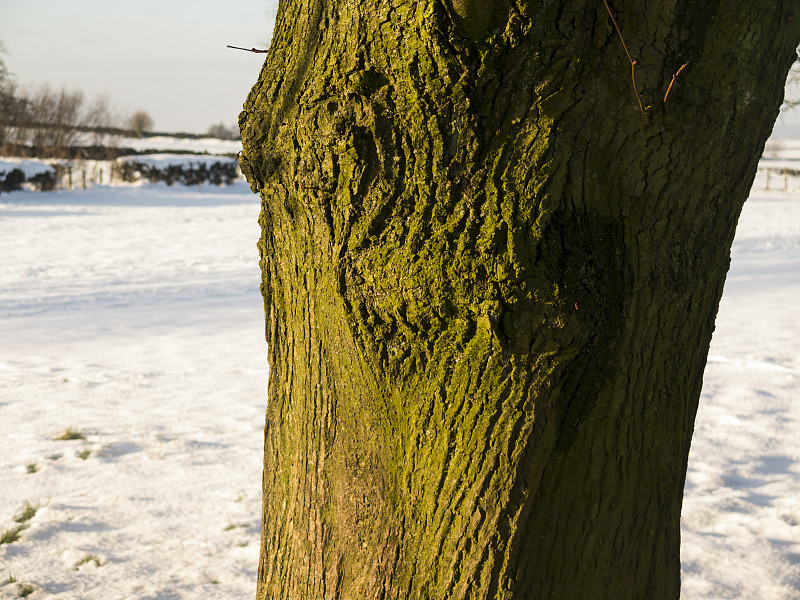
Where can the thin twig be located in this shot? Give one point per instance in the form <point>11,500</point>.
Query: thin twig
<point>678,72</point>
<point>256,50</point>
<point>619,33</point>
<point>630,59</point>
<point>635,88</point>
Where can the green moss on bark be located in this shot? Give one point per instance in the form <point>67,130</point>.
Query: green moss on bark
<point>489,288</point>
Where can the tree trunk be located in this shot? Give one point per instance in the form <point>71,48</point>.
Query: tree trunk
<point>492,255</point>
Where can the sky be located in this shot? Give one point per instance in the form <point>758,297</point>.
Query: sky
<point>166,57</point>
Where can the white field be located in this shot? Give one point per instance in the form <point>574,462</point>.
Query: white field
<point>161,143</point>
<point>133,315</point>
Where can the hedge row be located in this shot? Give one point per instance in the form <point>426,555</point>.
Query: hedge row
<point>13,180</point>
<point>186,172</point>
<point>189,173</point>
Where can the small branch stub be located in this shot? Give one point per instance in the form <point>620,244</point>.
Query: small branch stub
<point>674,77</point>
<point>630,59</point>
<point>255,50</point>
<point>634,63</point>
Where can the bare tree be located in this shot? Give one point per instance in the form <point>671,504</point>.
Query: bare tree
<point>68,117</point>
<point>103,120</point>
<point>46,117</point>
<point>52,118</point>
<point>792,98</point>
<point>7,98</point>
<point>220,131</point>
<point>4,74</point>
<point>140,122</point>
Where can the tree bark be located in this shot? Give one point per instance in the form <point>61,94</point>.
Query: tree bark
<point>492,255</point>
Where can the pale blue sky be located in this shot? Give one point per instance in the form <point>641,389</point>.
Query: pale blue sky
<point>167,57</point>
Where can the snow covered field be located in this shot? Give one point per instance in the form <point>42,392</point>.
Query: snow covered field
<point>132,316</point>
<point>741,515</point>
<point>161,143</point>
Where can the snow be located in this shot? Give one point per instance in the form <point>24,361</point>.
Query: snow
<point>29,167</point>
<point>741,516</point>
<point>133,315</point>
<point>782,148</point>
<point>160,143</point>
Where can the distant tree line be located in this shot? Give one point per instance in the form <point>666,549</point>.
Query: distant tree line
<point>48,120</point>
<point>43,117</point>
<point>45,121</point>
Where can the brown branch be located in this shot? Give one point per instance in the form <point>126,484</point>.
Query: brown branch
<point>256,50</point>
<point>633,62</point>
<point>619,33</point>
<point>678,72</point>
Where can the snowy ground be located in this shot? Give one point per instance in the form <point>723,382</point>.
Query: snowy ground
<point>29,167</point>
<point>132,315</point>
<point>161,143</point>
<point>741,516</point>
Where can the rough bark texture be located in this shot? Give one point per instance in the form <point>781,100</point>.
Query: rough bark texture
<point>490,284</point>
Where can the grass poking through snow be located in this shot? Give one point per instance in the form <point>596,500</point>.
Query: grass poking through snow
<point>88,558</point>
<point>28,512</point>
<point>71,434</point>
<point>12,535</point>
